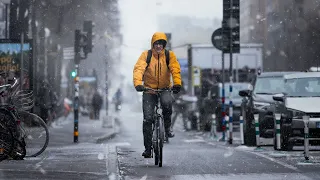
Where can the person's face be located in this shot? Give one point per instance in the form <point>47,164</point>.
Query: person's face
<point>158,46</point>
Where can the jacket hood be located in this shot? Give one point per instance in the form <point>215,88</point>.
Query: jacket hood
<point>158,36</point>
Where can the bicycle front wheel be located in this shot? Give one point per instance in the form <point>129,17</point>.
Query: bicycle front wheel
<point>35,133</point>
<point>161,141</point>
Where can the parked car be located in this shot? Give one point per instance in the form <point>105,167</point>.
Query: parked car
<point>258,99</point>
<point>300,98</point>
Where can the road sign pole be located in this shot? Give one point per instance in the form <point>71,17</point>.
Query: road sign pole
<point>231,80</point>
<point>223,95</point>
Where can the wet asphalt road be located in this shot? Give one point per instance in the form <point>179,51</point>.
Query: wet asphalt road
<point>189,155</point>
<point>193,155</point>
<point>64,159</point>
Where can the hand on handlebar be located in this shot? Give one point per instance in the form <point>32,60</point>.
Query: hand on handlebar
<point>140,88</point>
<point>176,89</point>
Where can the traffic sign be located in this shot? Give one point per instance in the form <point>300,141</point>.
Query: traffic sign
<point>68,53</point>
<point>217,39</point>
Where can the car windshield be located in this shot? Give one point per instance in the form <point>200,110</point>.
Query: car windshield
<point>303,87</point>
<point>235,90</point>
<point>269,85</point>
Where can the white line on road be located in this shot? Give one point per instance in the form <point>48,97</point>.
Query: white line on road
<point>193,140</point>
<point>122,144</point>
<point>50,171</point>
<point>144,177</point>
<point>274,160</point>
<point>261,155</point>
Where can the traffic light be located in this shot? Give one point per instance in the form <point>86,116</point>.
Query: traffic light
<point>73,74</point>
<point>77,41</point>
<point>83,41</point>
<point>231,25</point>
<point>88,28</point>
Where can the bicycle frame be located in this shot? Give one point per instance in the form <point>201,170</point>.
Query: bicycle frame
<point>158,128</point>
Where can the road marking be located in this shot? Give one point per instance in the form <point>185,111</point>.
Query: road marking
<point>231,176</point>
<point>50,171</point>
<point>274,160</point>
<point>122,144</point>
<point>144,177</point>
<point>243,149</point>
<point>193,140</point>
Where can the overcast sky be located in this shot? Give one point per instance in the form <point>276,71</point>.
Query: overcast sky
<point>138,21</point>
<point>198,8</point>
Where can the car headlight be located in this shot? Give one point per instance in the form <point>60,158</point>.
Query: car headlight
<point>260,105</point>
<point>295,114</point>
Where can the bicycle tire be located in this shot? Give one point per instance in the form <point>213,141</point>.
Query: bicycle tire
<point>9,120</point>
<point>155,143</point>
<point>160,140</point>
<point>7,134</point>
<point>160,156</point>
<point>42,124</point>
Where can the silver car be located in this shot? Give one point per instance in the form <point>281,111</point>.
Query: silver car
<point>301,98</point>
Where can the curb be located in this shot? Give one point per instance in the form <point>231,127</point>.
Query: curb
<point>106,137</point>
<point>115,129</point>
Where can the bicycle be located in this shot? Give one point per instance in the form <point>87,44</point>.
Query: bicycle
<point>10,131</point>
<point>158,136</point>
<point>16,110</point>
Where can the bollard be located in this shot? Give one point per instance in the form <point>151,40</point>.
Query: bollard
<point>278,128</point>
<point>256,120</point>
<point>306,137</point>
<point>213,132</point>
<point>230,112</point>
<point>227,127</point>
<point>198,121</point>
<point>223,138</point>
<point>241,130</point>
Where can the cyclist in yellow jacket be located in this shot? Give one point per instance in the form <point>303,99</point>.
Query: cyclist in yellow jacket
<point>156,75</point>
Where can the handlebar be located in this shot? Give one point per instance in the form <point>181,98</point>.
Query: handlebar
<point>5,87</point>
<point>10,85</point>
<point>158,90</point>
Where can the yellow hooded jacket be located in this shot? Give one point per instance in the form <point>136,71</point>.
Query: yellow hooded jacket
<point>157,75</point>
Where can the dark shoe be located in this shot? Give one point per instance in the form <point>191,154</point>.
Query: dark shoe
<point>147,153</point>
<point>170,134</point>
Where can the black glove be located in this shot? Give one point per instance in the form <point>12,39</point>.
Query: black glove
<point>176,89</point>
<point>140,88</point>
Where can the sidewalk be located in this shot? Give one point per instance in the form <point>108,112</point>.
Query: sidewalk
<point>90,131</point>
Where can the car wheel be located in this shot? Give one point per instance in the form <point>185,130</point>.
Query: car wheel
<point>286,145</point>
<point>219,122</point>
<point>250,132</point>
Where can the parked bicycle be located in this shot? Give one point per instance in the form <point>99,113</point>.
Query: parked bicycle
<point>158,137</point>
<point>18,126</point>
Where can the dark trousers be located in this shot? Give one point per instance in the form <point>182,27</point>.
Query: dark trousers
<point>96,113</point>
<point>149,103</point>
<point>180,109</point>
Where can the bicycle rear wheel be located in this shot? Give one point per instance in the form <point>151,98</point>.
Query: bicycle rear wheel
<point>35,133</point>
<point>6,142</point>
